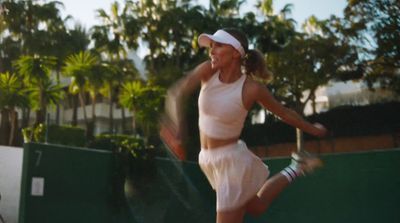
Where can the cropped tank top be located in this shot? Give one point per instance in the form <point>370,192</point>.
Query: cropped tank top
<point>221,110</point>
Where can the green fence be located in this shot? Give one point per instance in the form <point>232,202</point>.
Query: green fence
<point>351,188</point>
<point>61,184</point>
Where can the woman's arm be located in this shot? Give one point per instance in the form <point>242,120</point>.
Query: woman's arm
<point>186,85</point>
<point>178,93</point>
<point>260,94</point>
<point>173,124</point>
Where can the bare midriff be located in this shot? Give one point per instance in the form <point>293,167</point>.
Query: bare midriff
<point>214,143</point>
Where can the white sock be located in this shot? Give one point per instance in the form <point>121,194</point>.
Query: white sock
<point>291,172</point>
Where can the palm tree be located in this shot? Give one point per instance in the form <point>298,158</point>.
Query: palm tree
<point>124,30</point>
<point>52,93</point>
<point>9,46</point>
<point>36,72</point>
<point>9,51</point>
<point>225,8</point>
<point>31,28</point>
<point>149,16</point>
<point>170,29</point>
<point>118,73</point>
<point>95,82</point>
<point>178,26</point>
<point>12,96</point>
<point>77,41</point>
<point>79,67</point>
<point>24,21</point>
<point>276,30</point>
<point>114,23</point>
<point>146,102</point>
<point>61,42</point>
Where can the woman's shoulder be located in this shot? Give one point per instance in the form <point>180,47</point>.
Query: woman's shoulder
<point>252,84</point>
<point>253,88</point>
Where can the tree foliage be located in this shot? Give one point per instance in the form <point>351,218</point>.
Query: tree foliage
<point>376,25</point>
<point>146,103</point>
<point>12,96</point>
<point>362,44</point>
<point>35,71</point>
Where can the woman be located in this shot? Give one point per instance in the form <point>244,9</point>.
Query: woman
<point>228,91</point>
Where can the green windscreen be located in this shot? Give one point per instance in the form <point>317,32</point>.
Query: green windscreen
<point>64,184</point>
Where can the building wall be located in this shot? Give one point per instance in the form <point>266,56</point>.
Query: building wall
<point>336,94</point>
<point>10,182</point>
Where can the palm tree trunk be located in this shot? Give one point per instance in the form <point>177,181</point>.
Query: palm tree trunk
<point>41,113</point>
<point>89,128</point>
<point>2,67</point>
<point>123,116</point>
<point>4,127</point>
<point>26,113</point>
<point>14,125</point>
<point>133,123</point>
<point>94,99</point>
<point>111,112</point>
<point>74,121</point>
<point>58,105</point>
<point>83,105</point>
<point>39,117</point>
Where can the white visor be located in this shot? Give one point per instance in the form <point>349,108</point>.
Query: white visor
<point>221,37</point>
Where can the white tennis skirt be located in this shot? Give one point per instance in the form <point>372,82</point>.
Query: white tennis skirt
<point>234,172</point>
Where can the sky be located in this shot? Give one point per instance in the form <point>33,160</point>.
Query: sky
<point>84,10</point>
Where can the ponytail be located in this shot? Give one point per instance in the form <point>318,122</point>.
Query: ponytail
<point>256,67</point>
<point>253,61</point>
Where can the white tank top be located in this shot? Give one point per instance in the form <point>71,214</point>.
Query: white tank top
<point>221,110</point>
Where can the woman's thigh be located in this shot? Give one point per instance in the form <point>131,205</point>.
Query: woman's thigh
<point>235,216</point>
<point>255,206</point>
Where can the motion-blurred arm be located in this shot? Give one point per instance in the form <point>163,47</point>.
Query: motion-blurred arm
<point>173,126</point>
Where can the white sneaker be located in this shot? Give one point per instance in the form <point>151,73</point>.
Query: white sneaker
<point>305,162</point>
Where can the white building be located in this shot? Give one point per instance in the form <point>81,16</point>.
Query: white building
<point>348,93</point>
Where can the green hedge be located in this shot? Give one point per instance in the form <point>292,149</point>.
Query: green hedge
<point>134,160</point>
<point>63,135</point>
<point>361,120</point>
<point>344,121</point>
<point>131,151</point>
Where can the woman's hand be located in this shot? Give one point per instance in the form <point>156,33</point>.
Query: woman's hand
<point>321,131</point>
